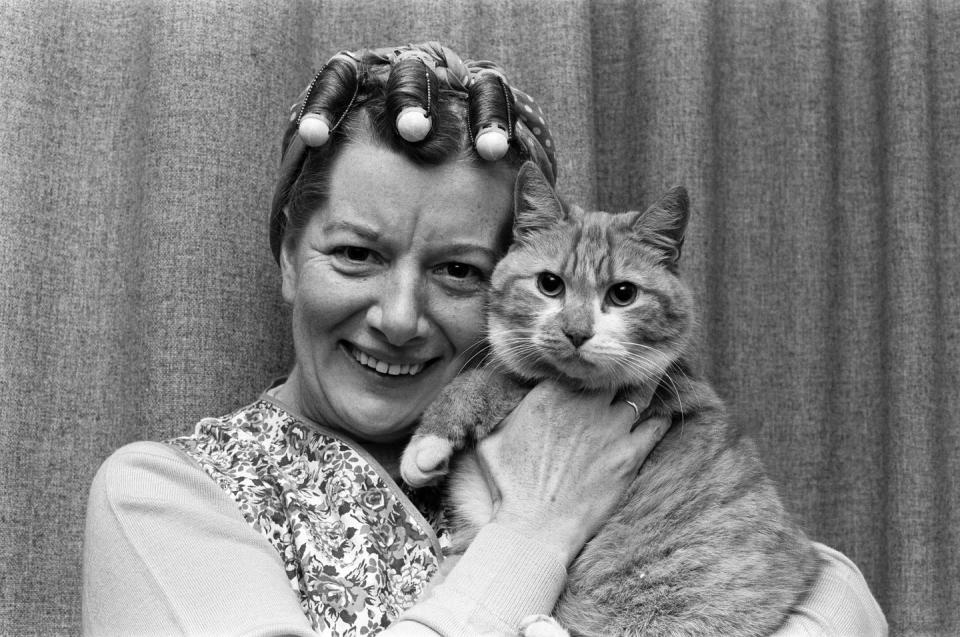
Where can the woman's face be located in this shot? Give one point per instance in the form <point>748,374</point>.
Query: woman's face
<point>387,284</point>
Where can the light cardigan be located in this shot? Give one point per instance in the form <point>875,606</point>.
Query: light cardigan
<point>169,552</point>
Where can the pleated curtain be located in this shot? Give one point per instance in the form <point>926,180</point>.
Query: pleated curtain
<point>819,140</point>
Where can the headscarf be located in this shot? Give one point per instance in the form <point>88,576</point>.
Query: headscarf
<point>339,87</point>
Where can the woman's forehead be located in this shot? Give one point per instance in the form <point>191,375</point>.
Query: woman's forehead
<point>379,191</point>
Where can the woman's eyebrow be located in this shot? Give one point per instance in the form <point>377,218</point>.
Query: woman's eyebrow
<point>363,231</point>
<point>462,247</point>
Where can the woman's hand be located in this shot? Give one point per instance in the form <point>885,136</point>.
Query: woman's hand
<point>560,463</point>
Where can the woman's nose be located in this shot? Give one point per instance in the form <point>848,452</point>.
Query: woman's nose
<point>398,313</point>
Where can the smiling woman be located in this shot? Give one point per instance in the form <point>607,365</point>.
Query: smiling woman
<point>387,287</point>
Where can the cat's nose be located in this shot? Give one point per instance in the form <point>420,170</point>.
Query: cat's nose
<point>577,338</point>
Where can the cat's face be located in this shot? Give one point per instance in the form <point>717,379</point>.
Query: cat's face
<point>590,297</point>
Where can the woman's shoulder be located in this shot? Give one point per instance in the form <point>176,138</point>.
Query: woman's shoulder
<point>170,460</point>
<point>837,562</point>
<point>136,453</point>
<point>166,548</point>
<point>143,454</point>
<point>140,471</point>
<point>840,602</point>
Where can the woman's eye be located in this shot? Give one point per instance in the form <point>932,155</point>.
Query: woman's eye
<point>549,284</point>
<point>460,278</point>
<point>622,293</point>
<point>459,270</point>
<point>355,253</point>
<point>356,259</point>
<point>460,275</point>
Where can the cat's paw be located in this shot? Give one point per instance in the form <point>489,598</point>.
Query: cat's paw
<point>425,460</point>
<point>541,626</point>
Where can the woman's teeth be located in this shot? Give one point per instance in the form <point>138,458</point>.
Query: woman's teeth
<point>386,368</point>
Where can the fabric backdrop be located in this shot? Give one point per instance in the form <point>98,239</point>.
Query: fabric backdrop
<point>820,142</point>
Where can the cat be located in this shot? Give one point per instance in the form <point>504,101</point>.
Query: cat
<point>702,544</point>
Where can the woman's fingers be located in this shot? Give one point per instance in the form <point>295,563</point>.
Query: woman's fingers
<point>560,462</point>
<point>628,412</point>
<point>647,434</point>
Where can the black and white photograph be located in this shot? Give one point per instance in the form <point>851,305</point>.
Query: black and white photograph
<point>480,318</point>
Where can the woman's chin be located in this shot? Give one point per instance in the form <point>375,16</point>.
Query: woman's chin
<point>381,423</point>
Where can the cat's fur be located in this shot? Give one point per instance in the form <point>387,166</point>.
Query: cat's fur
<point>702,544</point>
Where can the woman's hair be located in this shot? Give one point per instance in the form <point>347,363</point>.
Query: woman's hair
<point>419,100</point>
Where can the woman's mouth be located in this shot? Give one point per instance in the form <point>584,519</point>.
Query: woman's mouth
<point>385,367</point>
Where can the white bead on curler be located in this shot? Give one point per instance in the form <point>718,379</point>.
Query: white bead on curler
<point>413,123</point>
<point>492,142</point>
<point>314,129</point>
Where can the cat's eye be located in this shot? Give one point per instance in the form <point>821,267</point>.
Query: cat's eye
<point>622,293</point>
<point>549,284</point>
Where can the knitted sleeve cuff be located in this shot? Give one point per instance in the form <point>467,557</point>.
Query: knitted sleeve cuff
<point>502,578</point>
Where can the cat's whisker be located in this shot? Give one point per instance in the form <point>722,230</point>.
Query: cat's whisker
<point>676,391</point>
<point>479,345</point>
<point>644,346</point>
<point>515,350</point>
<point>647,375</point>
<point>498,366</point>
<point>525,355</point>
<point>641,373</point>
<point>483,351</point>
<point>687,378</point>
<point>642,365</point>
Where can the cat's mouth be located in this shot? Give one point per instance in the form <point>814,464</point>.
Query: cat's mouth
<point>580,370</point>
<point>575,365</point>
<point>578,359</point>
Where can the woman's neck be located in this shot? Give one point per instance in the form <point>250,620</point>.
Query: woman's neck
<point>387,454</point>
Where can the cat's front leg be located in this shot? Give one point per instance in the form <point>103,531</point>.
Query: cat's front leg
<point>467,409</point>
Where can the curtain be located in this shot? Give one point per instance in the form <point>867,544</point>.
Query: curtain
<point>819,139</point>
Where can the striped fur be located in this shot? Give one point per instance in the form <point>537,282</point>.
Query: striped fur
<point>702,544</point>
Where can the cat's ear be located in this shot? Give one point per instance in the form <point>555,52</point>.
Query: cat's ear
<point>664,224</point>
<point>535,203</point>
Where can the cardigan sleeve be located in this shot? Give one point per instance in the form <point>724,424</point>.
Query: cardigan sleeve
<point>502,578</point>
<point>840,604</point>
<point>167,552</point>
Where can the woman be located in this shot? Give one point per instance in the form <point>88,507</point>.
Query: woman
<point>284,518</point>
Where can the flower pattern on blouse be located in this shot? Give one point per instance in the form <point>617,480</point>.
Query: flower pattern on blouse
<point>354,553</point>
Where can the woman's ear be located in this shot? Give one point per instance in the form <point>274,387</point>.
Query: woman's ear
<point>288,268</point>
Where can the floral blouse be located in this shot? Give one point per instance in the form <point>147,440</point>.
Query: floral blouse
<point>355,548</point>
